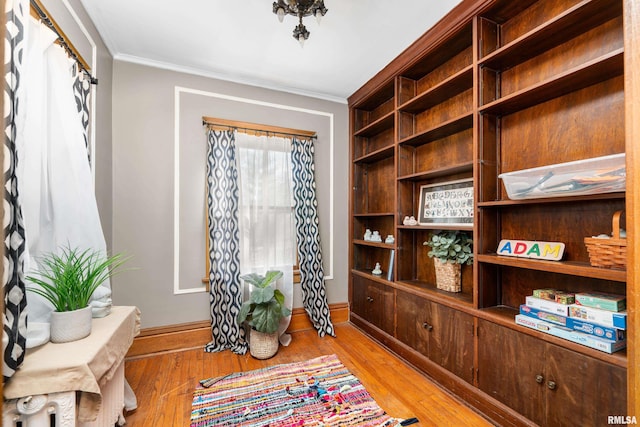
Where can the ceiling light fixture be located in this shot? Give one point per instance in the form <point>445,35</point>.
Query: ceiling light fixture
<point>300,8</point>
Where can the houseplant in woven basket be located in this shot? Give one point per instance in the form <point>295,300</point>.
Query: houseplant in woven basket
<point>263,313</point>
<point>451,249</point>
<point>68,279</point>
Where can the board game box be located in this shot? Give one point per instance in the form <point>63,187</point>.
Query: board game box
<point>602,300</point>
<point>548,306</point>
<point>591,341</point>
<point>601,317</point>
<point>601,331</point>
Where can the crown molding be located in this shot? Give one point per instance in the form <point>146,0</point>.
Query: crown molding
<point>225,77</point>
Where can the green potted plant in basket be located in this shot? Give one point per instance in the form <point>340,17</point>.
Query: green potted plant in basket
<point>263,313</point>
<point>68,280</point>
<point>451,249</point>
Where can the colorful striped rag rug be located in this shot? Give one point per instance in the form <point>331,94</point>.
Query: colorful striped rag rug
<point>318,392</point>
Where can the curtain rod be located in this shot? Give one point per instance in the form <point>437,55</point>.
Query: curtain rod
<point>269,130</point>
<point>42,14</point>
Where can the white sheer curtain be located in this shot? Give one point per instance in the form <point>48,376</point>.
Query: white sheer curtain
<point>54,176</point>
<point>267,227</point>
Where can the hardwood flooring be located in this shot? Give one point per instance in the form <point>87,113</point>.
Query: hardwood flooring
<point>164,383</point>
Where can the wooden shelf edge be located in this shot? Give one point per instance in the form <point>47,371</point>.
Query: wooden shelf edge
<point>458,301</point>
<point>597,70</point>
<point>367,275</point>
<point>505,316</point>
<point>377,125</point>
<point>560,267</point>
<point>382,245</point>
<point>575,20</point>
<point>435,227</point>
<point>434,173</point>
<point>448,128</point>
<point>576,199</point>
<point>374,156</point>
<point>376,214</point>
<point>455,84</point>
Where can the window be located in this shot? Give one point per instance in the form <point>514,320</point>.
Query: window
<point>266,204</point>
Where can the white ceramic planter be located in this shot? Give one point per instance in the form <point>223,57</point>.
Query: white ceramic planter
<point>67,326</point>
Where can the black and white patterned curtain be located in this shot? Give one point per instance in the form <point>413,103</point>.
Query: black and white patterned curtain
<point>225,293</point>
<point>15,302</point>
<point>82,94</point>
<point>308,236</point>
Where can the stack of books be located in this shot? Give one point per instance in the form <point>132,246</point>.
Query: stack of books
<point>594,319</point>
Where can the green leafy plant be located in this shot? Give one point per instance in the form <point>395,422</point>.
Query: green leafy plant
<point>265,307</point>
<point>68,280</point>
<point>451,246</point>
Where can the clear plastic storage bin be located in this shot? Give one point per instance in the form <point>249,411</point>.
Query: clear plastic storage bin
<point>598,175</point>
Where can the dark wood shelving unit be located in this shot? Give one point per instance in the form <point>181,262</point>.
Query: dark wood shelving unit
<point>497,86</point>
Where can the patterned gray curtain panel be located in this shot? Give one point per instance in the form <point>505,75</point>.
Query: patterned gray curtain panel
<point>82,94</point>
<point>225,295</point>
<point>15,301</point>
<point>308,236</point>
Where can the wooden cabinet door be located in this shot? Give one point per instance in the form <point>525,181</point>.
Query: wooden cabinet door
<point>511,369</point>
<point>581,390</point>
<point>413,321</point>
<point>373,302</point>
<point>451,340</point>
<point>442,334</point>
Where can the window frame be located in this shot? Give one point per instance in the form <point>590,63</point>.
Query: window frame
<point>251,129</point>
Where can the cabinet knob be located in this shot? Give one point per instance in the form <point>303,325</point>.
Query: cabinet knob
<point>370,299</point>
<point>551,385</point>
<point>539,379</point>
<point>427,326</point>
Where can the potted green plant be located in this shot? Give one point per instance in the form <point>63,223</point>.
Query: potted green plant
<point>263,312</point>
<point>451,249</point>
<point>67,280</point>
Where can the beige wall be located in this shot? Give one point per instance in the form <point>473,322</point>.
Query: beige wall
<point>158,182</point>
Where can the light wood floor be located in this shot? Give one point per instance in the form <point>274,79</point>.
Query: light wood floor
<point>164,383</point>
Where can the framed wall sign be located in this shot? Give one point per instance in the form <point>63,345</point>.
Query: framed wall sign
<point>447,203</point>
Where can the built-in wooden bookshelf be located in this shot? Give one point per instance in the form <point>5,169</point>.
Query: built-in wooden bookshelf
<point>497,86</point>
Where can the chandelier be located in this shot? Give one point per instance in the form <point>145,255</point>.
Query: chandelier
<point>300,8</point>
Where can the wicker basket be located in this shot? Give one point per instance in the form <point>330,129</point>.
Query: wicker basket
<point>262,345</point>
<point>608,253</point>
<point>448,276</point>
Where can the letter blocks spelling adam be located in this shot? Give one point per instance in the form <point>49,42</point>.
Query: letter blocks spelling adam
<point>552,251</point>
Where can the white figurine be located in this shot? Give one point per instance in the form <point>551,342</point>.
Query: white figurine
<point>411,221</point>
<point>367,235</point>
<point>390,239</point>
<point>375,237</point>
<point>377,270</point>
<point>406,220</point>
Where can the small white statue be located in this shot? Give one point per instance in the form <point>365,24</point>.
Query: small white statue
<point>390,239</point>
<point>375,237</point>
<point>377,270</point>
<point>410,220</point>
<point>367,235</point>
